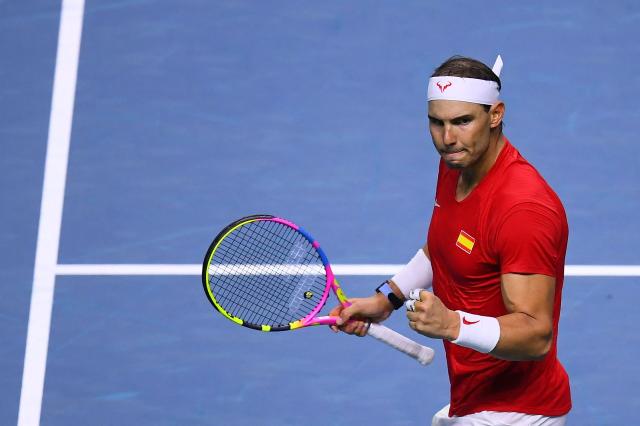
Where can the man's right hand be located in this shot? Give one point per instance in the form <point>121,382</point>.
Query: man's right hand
<point>354,319</point>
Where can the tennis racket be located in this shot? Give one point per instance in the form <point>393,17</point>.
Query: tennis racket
<point>268,274</point>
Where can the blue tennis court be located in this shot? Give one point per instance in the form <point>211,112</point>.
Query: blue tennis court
<point>180,117</point>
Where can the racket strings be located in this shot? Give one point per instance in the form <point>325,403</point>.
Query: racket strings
<point>270,300</point>
<point>267,273</point>
<point>228,293</point>
<point>244,247</point>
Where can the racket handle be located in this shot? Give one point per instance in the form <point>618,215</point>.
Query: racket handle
<point>423,354</point>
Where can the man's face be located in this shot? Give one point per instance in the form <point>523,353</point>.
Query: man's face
<point>460,131</point>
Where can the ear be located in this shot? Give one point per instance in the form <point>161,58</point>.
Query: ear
<point>496,114</point>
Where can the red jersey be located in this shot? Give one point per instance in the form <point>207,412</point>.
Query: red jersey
<point>512,222</point>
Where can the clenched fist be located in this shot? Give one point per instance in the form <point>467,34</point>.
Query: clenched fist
<point>428,316</point>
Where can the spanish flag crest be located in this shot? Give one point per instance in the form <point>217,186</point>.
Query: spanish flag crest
<point>465,242</point>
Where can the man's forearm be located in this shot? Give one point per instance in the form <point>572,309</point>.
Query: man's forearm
<point>523,337</point>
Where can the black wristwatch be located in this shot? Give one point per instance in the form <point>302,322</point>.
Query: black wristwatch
<point>385,289</point>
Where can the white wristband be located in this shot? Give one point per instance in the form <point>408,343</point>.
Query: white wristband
<point>478,332</point>
<point>415,274</point>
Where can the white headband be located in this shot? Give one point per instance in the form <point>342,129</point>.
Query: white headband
<point>465,89</point>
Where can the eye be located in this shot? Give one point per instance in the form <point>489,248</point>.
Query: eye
<point>435,121</point>
<point>462,121</point>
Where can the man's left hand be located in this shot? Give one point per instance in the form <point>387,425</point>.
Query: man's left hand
<point>431,318</point>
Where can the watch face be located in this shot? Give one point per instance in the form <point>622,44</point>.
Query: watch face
<point>383,288</point>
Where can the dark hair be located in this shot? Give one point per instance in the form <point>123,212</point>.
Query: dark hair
<point>461,66</point>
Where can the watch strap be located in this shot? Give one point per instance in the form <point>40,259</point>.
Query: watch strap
<point>385,289</point>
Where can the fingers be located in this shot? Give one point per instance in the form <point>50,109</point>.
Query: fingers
<point>357,327</point>
<point>410,305</point>
<point>335,312</point>
<point>418,302</point>
<point>346,314</point>
<point>413,325</point>
<point>348,318</point>
<point>360,328</point>
<point>348,322</point>
<point>354,318</point>
<point>427,314</point>
<point>415,295</point>
<point>358,308</point>
<point>414,318</point>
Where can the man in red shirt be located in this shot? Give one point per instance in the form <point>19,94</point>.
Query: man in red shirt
<point>494,256</point>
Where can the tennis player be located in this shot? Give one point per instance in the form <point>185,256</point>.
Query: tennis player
<point>494,258</point>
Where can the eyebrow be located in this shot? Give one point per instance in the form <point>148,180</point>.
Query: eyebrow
<point>454,119</point>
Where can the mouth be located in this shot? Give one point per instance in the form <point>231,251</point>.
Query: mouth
<point>453,155</point>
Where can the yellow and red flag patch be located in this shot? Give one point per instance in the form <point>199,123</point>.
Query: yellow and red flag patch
<point>465,242</point>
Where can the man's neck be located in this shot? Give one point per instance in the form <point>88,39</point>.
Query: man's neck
<point>470,177</point>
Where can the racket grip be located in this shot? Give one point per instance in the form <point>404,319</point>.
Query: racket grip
<point>423,354</point>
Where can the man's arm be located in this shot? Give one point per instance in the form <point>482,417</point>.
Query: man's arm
<point>375,308</point>
<point>526,332</point>
<point>395,287</point>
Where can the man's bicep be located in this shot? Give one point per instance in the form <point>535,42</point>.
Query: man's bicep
<point>526,332</point>
<point>530,294</point>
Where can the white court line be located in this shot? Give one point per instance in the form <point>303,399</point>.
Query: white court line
<point>338,269</point>
<point>46,268</point>
<point>55,176</point>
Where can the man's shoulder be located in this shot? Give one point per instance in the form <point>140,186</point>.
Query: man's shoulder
<point>521,184</point>
<point>525,200</point>
<point>520,178</point>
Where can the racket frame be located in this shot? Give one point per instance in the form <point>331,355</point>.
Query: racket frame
<point>310,319</point>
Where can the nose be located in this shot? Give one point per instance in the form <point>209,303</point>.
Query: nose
<point>449,137</point>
